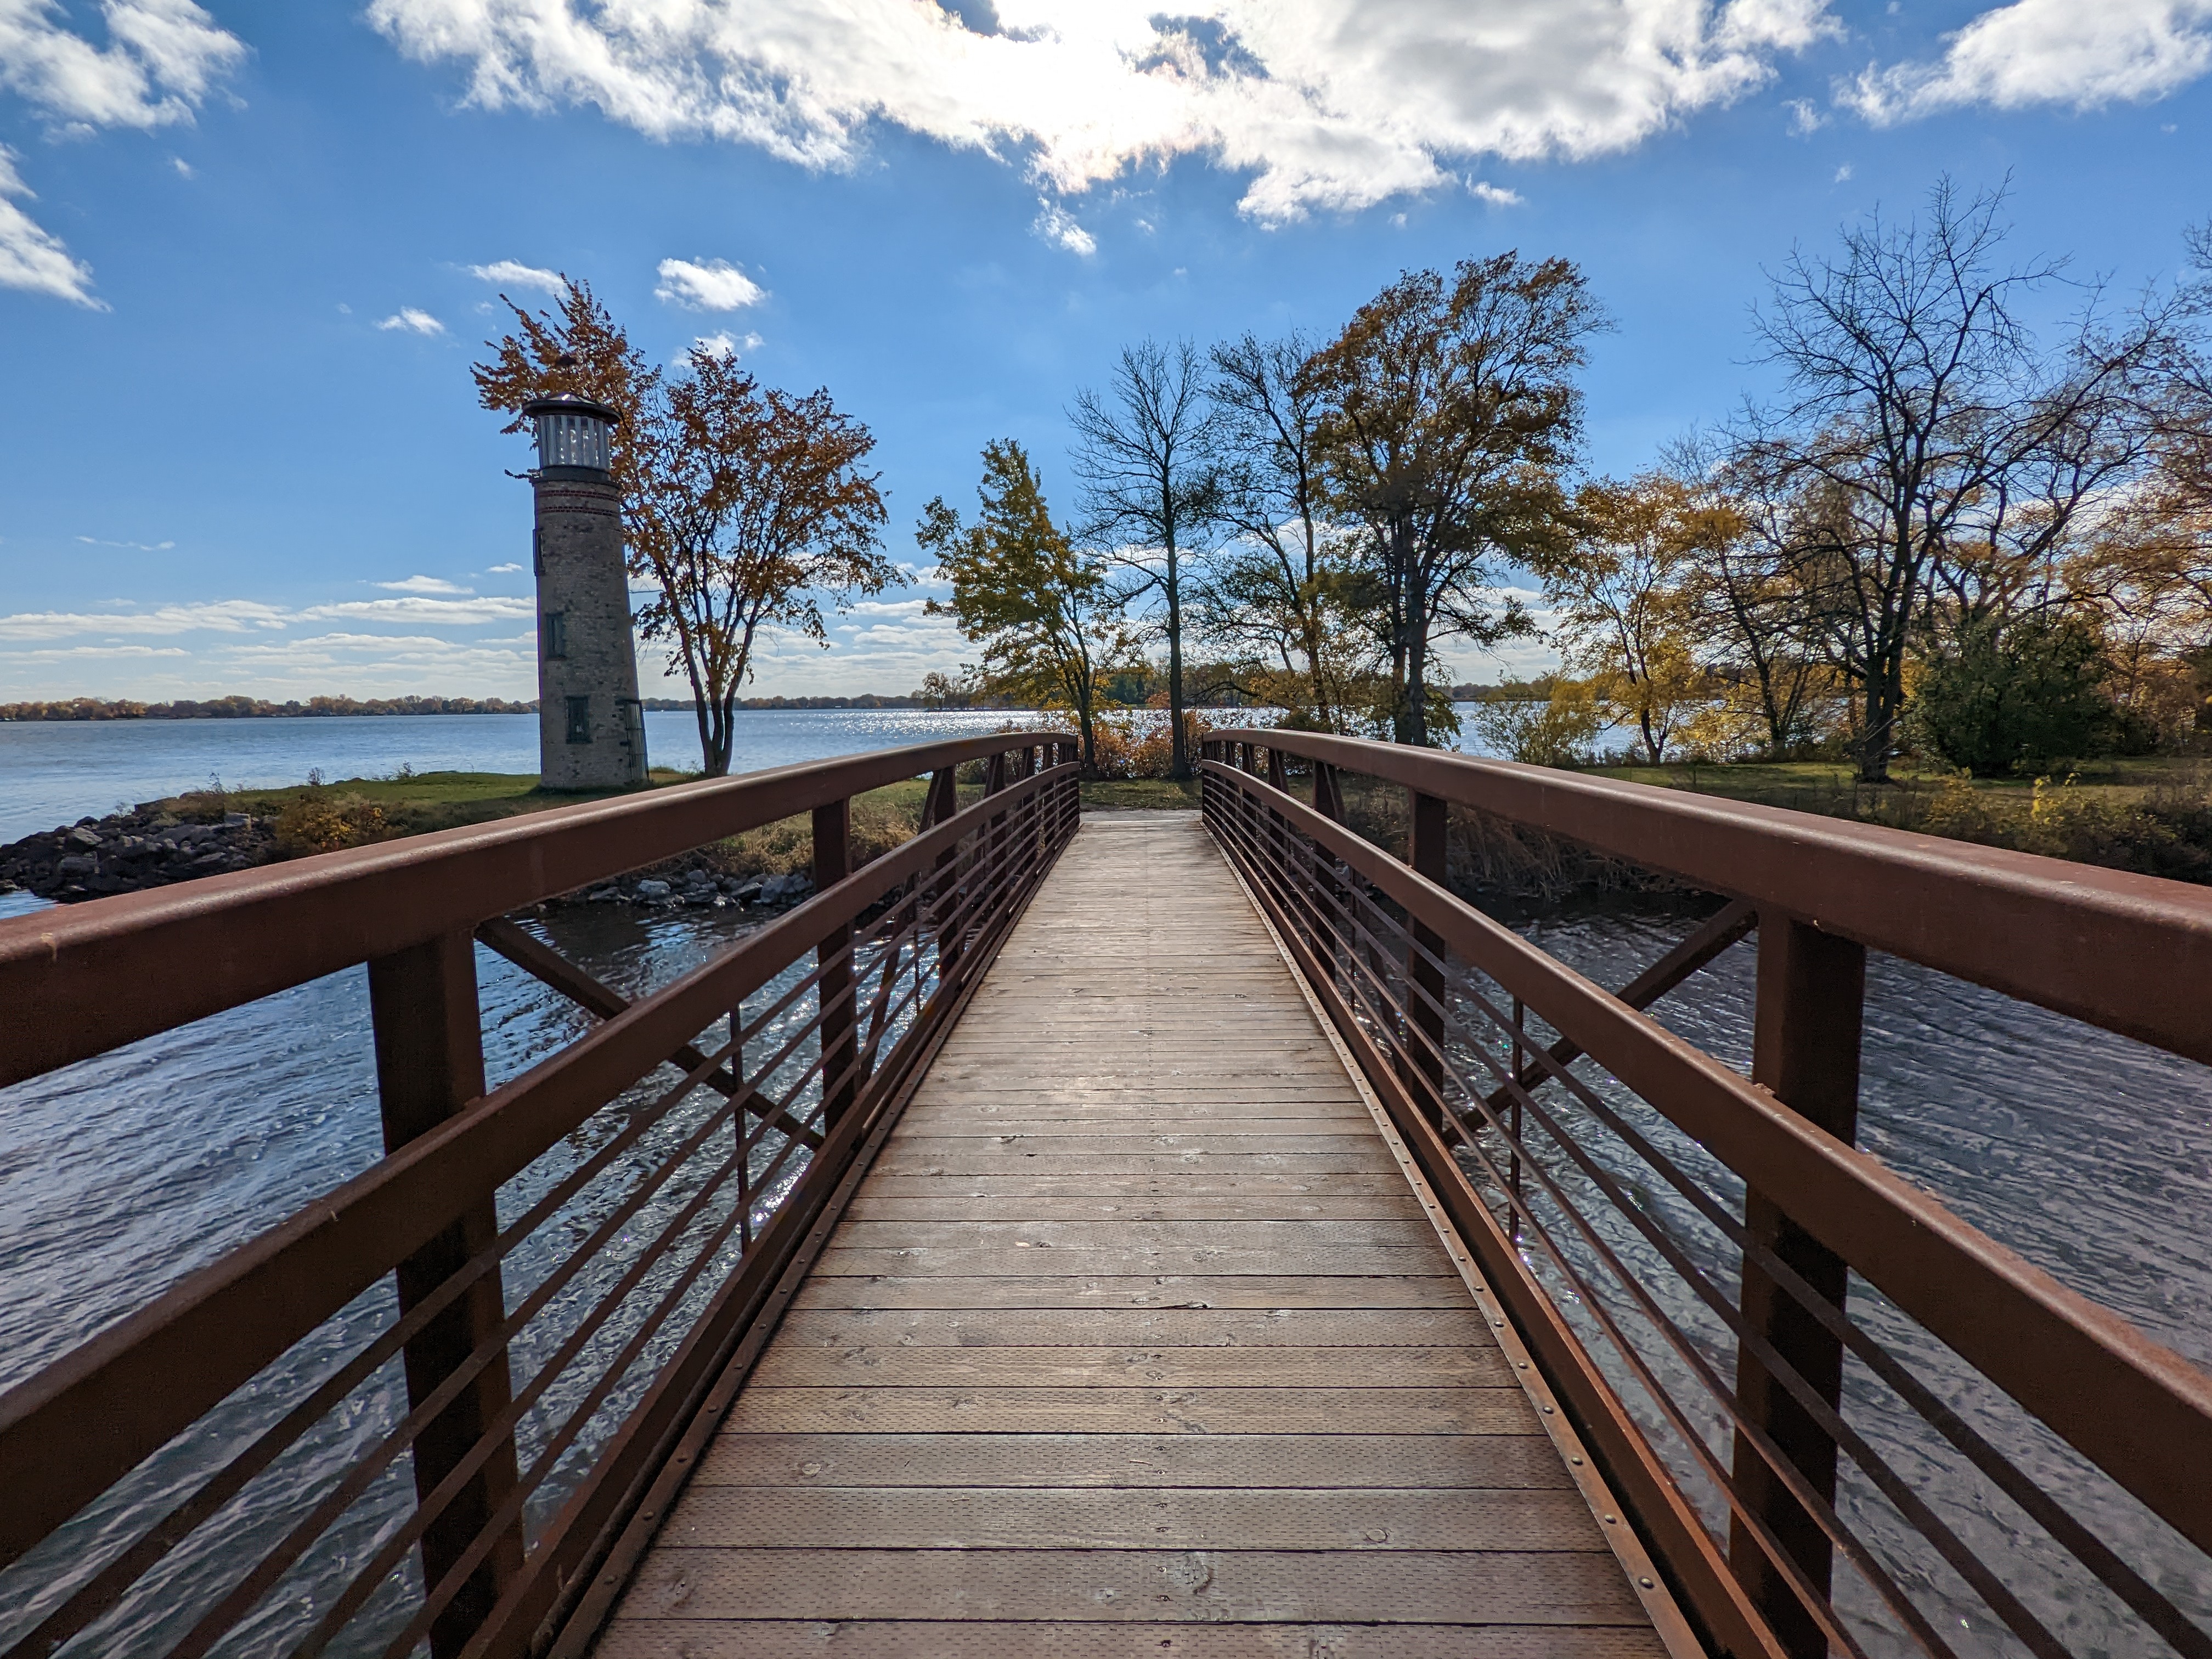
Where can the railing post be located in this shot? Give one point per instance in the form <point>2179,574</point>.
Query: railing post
<point>1277,776</point>
<point>943,800</point>
<point>1805,1052</point>
<point>1327,793</point>
<point>1424,1067</point>
<point>833,862</point>
<point>430,1067</point>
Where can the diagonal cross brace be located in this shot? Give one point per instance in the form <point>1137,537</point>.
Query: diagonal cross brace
<point>542,961</point>
<point>1723,928</point>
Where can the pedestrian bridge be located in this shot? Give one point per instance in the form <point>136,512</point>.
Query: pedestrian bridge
<point>1144,1233</point>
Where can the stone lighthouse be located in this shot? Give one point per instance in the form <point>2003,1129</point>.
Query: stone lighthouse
<point>591,726</point>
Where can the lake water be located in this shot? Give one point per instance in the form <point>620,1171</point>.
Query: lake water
<point>55,772</point>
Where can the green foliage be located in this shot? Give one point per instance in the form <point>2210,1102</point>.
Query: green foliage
<point>2021,697</point>
<point>1556,731</point>
<point>1049,626</point>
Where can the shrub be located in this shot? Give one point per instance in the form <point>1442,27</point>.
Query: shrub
<point>2019,698</point>
<point>313,821</point>
<point>1557,732</point>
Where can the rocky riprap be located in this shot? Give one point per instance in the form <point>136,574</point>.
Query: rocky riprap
<point>128,851</point>
<point>698,887</point>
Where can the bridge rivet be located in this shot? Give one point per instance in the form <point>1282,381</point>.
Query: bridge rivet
<point>1611,1520</point>
<point>1646,1582</point>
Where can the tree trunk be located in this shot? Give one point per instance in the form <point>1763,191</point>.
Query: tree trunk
<point>1417,667</point>
<point>1180,766</point>
<point>1884,697</point>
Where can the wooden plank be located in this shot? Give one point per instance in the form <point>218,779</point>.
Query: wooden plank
<point>1178,1182</point>
<point>1236,1132</point>
<point>1326,1461</point>
<point>1052,1233</point>
<point>815,1638</point>
<point>1378,1260</point>
<point>1130,1518</point>
<point>1287,1207</point>
<point>1106,1586</point>
<point>954,1158</point>
<point>1377,1329</point>
<point>1156,1290</point>
<point>761,1409</point>
<point>1153,1367</point>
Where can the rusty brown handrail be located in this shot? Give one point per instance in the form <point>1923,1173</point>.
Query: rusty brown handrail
<point>1393,977</point>
<point>2130,953</point>
<point>257,931</point>
<point>857,988</point>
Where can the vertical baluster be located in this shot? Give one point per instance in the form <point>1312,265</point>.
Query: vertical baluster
<point>1518,1066</point>
<point>430,1067</point>
<point>833,862</point>
<point>937,888</point>
<point>1805,1051</point>
<point>1424,1060</point>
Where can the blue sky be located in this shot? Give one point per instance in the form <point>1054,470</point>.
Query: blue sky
<point>240,247</point>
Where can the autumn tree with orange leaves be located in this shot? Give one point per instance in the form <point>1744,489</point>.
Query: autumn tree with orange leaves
<point>745,507</point>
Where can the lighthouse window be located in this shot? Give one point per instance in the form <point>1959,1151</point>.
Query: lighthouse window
<point>556,633</point>
<point>580,720</point>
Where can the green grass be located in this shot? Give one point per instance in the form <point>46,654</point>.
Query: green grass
<point>1830,785</point>
<point>1106,794</point>
<point>414,805</point>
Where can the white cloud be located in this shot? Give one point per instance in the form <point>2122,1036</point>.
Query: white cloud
<point>512,273</point>
<point>716,285</point>
<point>1805,118</point>
<point>503,570</point>
<point>414,321</point>
<point>162,59</point>
<point>723,344</point>
<point>184,167</point>
<point>427,584</point>
<point>422,608</point>
<point>1325,104</point>
<point>1057,225</point>
<point>2048,51</point>
<point>1496,195</point>
<point>32,258</point>
<point>134,547</point>
<point>220,616</point>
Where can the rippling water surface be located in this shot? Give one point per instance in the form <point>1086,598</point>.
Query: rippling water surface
<point>2090,1154</point>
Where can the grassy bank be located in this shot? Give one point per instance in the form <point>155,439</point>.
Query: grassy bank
<point>324,818</point>
<point>2151,814</point>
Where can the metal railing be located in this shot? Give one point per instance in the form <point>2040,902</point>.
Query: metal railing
<point>503,1344</point>
<point>1699,1261</point>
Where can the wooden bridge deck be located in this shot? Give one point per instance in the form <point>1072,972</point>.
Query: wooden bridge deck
<point>1137,1339</point>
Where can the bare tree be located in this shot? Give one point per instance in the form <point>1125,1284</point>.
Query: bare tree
<point>1941,445</point>
<point>1451,411</point>
<point>1148,491</point>
<point>1273,587</point>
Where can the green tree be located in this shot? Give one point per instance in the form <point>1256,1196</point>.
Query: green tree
<point>1450,410</point>
<point>2019,697</point>
<point>1049,623</point>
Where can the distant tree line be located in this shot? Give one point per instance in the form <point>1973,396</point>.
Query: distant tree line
<point>185,708</point>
